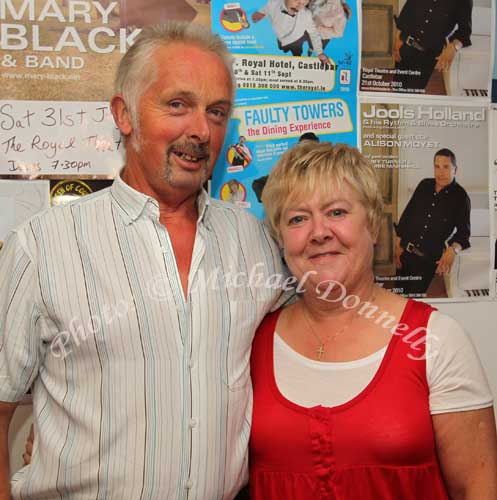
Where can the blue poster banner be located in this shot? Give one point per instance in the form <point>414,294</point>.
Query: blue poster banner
<point>296,66</point>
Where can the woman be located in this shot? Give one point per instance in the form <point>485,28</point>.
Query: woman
<point>358,393</point>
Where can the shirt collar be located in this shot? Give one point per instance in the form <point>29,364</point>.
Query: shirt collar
<point>283,9</point>
<point>135,204</point>
<point>447,188</point>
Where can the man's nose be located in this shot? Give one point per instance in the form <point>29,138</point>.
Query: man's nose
<point>199,129</point>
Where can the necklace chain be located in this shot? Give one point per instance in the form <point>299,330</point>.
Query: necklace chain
<point>322,343</point>
<point>321,349</point>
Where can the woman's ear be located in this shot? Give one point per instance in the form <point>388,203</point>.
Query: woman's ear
<point>121,115</point>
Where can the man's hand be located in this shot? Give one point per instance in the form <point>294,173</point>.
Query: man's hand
<point>397,44</point>
<point>28,447</point>
<point>6,413</point>
<point>398,251</point>
<point>444,60</point>
<point>257,16</point>
<point>446,261</point>
<point>324,58</point>
<point>347,10</point>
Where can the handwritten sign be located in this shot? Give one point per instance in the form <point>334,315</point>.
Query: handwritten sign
<point>58,138</point>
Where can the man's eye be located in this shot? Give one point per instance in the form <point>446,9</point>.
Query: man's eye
<point>176,105</point>
<point>218,114</point>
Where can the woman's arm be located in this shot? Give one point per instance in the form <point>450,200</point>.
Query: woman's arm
<point>467,450</point>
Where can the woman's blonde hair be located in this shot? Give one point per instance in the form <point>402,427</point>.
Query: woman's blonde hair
<point>309,167</point>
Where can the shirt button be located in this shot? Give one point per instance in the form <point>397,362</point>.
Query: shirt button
<point>192,423</point>
<point>189,484</point>
<point>429,215</point>
<point>420,237</point>
<point>190,363</point>
<point>430,10</point>
<point>426,21</point>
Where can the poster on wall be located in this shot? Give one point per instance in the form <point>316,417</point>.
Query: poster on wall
<point>20,200</point>
<point>259,134</point>
<point>493,189</point>
<point>432,48</point>
<point>58,61</point>
<point>435,237</point>
<point>296,66</point>
<point>494,71</point>
<point>284,49</point>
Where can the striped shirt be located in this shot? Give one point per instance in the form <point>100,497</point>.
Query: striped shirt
<point>137,392</point>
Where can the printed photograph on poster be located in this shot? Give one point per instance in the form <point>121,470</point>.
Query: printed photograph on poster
<point>259,134</point>
<point>58,139</point>
<point>435,236</point>
<point>60,49</point>
<point>424,47</point>
<point>20,200</point>
<point>494,71</point>
<point>67,190</point>
<point>493,187</point>
<point>290,46</point>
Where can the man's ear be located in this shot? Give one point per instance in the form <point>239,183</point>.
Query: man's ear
<point>121,115</point>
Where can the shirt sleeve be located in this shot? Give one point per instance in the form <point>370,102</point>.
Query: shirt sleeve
<point>264,9</point>
<point>19,346</point>
<point>463,32</point>
<point>313,33</point>
<point>455,376</point>
<point>463,224</point>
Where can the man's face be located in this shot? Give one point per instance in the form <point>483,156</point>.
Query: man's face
<point>182,120</point>
<point>293,6</point>
<point>445,171</point>
<point>242,139</point>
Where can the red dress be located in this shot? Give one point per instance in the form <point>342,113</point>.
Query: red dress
<point>377,446</point>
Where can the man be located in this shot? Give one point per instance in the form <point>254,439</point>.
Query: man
<point>429,34</point>
<point>131,311</point>
<point>242,155</point>
<point>433,228</point>
<point>293,25</point>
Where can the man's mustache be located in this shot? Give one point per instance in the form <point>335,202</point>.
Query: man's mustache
<point>200,151</point>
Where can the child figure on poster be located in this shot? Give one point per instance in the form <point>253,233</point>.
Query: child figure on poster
<point>293,24</point>
<point>330,18</point>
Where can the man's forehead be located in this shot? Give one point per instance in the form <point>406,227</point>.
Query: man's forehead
<point>443,159</point>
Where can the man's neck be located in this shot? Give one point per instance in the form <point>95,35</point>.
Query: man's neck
<point>174,204</point>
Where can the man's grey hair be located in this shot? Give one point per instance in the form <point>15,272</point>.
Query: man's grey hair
<point>137,71</point>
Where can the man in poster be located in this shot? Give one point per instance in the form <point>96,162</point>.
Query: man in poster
<point>433,228</point>
<point>429,34</point>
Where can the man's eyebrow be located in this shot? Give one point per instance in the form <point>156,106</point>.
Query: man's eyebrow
<point>191,96</point>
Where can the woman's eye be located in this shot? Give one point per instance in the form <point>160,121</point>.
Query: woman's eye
<point>296,220</point>
<point>337,212</point>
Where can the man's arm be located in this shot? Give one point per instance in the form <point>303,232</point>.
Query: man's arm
<point>467,450</point>
<point>6,413</point>
<point>257,16</point>
<point>397,44</point>
<point>463,224</point>
<point>463,22</point>
<point>460,38</point>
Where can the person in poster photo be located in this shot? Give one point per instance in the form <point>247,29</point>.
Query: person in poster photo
<point>433,228</point>
<point>428,36</point>
<point>330,18</point>
<point>293,25</point>
<point>240,153</point>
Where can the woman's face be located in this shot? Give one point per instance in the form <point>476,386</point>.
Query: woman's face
<point>328,238</point>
